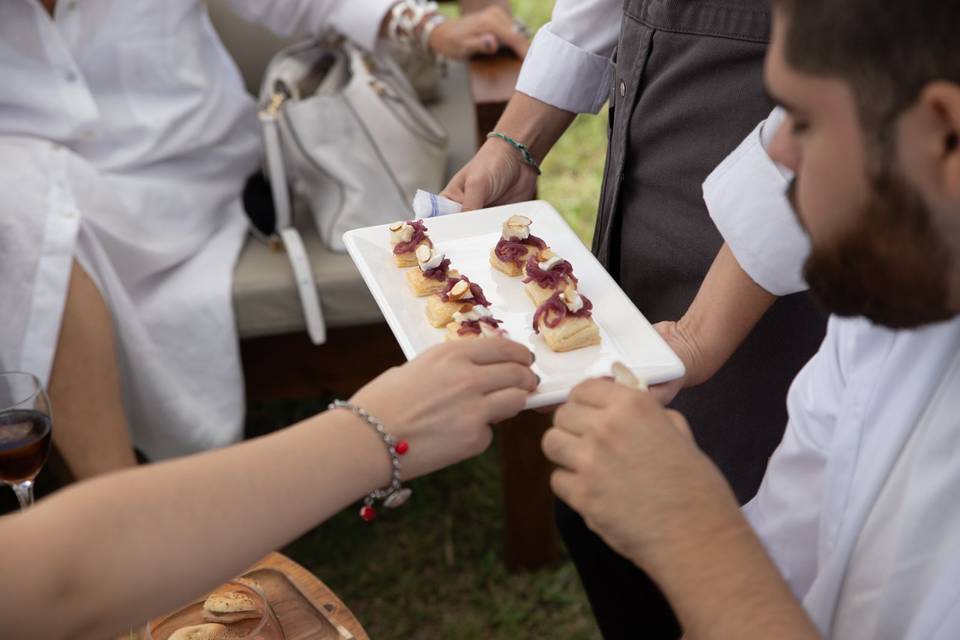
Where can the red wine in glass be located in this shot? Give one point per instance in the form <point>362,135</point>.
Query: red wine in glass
<point>25,428</point>
<point>24,444</point>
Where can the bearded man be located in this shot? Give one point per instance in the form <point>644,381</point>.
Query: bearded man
<point>852,534</point>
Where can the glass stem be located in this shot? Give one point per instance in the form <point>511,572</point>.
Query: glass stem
<point>24,491</point>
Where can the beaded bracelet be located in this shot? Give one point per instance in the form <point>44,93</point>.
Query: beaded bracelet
<point>525,154</point>
<point>394,494</point>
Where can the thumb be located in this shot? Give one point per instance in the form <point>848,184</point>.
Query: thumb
<point>482,43</point>
<point>455,189</point>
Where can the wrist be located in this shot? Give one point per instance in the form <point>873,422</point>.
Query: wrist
<point>427,30</point>
<point>411,23</point>
<point>393,494</point>
<point>694,540</point>
<point>527,158</point>
<point>371,461</point>
<point>536,124</point>
<point>698,364</point>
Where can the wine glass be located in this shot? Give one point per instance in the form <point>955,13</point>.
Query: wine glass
<point>25,428</point>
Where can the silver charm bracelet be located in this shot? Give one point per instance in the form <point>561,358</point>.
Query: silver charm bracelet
<point>394,494</point>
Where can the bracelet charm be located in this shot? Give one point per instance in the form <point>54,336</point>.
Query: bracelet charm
<point>394,494</point>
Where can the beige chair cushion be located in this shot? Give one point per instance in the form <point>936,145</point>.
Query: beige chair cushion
<point>264,291</point>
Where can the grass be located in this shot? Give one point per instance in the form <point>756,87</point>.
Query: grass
<point>433,569</point>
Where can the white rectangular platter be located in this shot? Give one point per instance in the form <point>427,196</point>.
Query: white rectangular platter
<point>467,238</point>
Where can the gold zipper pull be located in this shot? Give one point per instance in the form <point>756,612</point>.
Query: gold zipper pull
<point>273,107</point>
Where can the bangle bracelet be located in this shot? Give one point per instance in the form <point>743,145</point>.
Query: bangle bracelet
<point>394,494</point>
<point>405,17</point>
<point>426,30</point>
<point>524,151</point>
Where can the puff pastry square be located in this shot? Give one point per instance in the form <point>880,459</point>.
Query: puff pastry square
<point>409,259</point>
<point>509,268</point>
<point>440,313</point>
<point>572,333</point>
<point>424,286</point>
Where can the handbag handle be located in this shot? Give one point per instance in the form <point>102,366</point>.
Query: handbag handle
<point>276,170</point>
<point>292,242</point>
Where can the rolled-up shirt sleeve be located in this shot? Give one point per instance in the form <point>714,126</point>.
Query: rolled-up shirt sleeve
<point>746,197</point>
<point>569,65</point>
<point>359,20</point>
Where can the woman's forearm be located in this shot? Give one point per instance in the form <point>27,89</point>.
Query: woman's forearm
<point>136,537</point>
<point>536,124</point>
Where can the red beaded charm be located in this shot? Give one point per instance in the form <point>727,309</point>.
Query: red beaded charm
<point>368,513</point>
<point>402,447</point>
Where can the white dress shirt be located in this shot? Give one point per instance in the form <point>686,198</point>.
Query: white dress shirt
<point>856,507</point>
<point>746,198</point>
<point>125,139</point>
<point>569,64</point>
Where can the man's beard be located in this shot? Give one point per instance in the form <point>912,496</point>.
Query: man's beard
<point>891,268</point>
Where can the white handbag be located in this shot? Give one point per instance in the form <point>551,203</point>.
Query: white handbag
<point>346,139</point>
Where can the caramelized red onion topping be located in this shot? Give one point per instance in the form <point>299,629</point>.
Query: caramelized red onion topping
<point>439,272</point>
<point>551,279</point>
<point>475,289</point>
<point>473,326</point>
<point>419,235</point>
<point>553,312</point>
<point>515,251</point>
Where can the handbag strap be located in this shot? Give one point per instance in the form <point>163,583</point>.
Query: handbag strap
<point>303,273</point>
<point>276,171</point>
<point>292,242</point>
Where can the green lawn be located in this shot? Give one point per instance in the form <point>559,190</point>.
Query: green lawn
<point>433,569</point>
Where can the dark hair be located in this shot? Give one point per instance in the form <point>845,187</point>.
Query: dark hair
<point>887,50</point>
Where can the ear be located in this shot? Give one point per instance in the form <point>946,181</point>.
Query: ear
<point>939,106</point>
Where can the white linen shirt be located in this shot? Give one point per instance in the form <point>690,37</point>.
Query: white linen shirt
<point>125,139</point>
<point>856,507</point>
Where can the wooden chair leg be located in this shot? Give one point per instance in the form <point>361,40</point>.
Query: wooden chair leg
<point>531,537</point>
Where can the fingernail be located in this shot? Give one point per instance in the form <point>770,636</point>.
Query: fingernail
<point>533,357</point>
<point>538,379</point>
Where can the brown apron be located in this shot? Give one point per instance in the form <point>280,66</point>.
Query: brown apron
<point>688,89</point>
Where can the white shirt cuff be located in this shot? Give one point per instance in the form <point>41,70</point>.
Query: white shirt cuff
<point>564,75</point>
<point>746,197</point>
<point>359,21</point>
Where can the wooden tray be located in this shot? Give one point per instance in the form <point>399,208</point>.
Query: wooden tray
<point>305,608</point>
<point>298,618</point>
